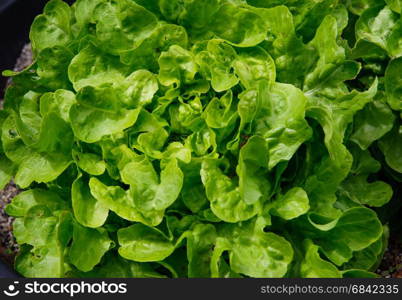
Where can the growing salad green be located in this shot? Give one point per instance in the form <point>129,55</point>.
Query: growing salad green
<point>214,138</point>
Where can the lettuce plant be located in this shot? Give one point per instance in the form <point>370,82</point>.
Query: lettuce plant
<point>214,138</point>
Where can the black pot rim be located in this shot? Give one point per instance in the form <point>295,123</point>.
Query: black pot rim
<point>4,4</point>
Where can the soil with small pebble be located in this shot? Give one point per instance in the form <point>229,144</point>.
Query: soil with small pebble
<point>8,245</point>
<point>391,265</point>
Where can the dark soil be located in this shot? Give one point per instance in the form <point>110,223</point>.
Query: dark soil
<point>8,245</point>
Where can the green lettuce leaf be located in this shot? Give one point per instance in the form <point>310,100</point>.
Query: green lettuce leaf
<point>214,138</point>
<point>143,244</point>
<point>87,210</point>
